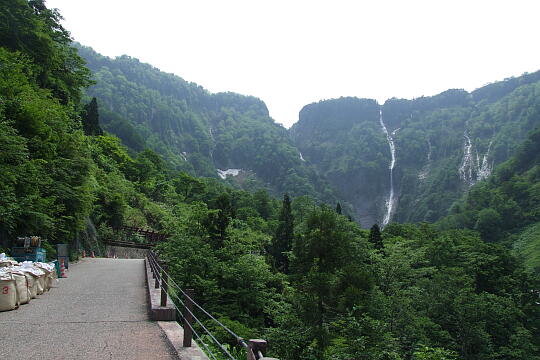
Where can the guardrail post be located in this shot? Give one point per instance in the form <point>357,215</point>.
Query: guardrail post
<point>250,354</point>
<point>164,285</point>
<point>150,262</point>
<point>156,285</point>
<point>255,348</point>
<point>188,318</point>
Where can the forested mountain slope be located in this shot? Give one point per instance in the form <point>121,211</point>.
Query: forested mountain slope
<point>338,150</point>
<point>443,145</point>
<point>506,206</point>
<point>198,131</point>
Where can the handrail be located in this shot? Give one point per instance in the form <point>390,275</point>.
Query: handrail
<point>129,244</point>
<point>163,280</point>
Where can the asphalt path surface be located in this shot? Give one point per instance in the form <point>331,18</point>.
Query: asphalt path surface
<point>98,312</point>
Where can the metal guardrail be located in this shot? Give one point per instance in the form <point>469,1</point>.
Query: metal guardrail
<point>254,347</point>
<point>128,244</point>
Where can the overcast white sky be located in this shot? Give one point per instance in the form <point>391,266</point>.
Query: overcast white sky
<point>291,53</point>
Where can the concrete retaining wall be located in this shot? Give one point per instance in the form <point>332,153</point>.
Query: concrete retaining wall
<point>124,252</point>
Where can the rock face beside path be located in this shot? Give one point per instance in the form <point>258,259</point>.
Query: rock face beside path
<point>98,312</point>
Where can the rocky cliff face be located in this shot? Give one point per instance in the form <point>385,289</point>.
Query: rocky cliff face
<point>333,136</point>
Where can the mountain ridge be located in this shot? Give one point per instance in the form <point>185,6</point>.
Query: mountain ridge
<point>451,134</point>
<point>336,151</point>
<point>200,132</point>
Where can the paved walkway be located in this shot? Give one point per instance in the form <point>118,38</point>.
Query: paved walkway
<point>98,312</point>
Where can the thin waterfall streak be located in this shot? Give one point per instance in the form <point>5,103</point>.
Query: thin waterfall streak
<point>466,168</point>
<point>425,171</point>
<point>390,202</point>
<point>484,168</point>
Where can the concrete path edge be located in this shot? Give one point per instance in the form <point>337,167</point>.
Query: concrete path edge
<point>156,311</point>
<point>166,320</point>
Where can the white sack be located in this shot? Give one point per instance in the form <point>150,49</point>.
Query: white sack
<point>9,299</point>
<point>22,287</point>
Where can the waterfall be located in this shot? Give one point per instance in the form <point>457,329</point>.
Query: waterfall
<point>425,171</point>
<point>484,168</point>
<point>229,172</point>
<point>472,171</point>
<point>211,150</point>
<point>391,201</point>
<point>467,164</point>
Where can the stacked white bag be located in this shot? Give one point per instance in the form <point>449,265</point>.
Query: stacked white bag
<point>6,262</point>
<point>9,299</point>
<point>23,291</point>
<point>21,282</point>
<point>50,273</point>
<point>39,276</point>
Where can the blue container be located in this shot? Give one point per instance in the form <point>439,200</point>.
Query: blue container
<point>28,254</point>
<point>57,267</point>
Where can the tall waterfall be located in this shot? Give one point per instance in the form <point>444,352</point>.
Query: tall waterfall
<point>391,201</point>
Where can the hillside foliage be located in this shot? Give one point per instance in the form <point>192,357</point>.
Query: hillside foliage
<point>197,131</point>
<point>343,139</point>
<point>506,207</point>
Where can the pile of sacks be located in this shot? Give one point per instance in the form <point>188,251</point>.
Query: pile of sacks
<point>21,282</point>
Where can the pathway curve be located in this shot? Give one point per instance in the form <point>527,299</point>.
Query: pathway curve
<point>98,312</point>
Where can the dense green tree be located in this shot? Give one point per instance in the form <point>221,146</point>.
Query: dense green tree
<point>263,203</point>
<point>282,240</point>
<point>320,250</point>
<point>218,219</point>
<point>55,153</point>
<point>375,237</point>
<point>34,30</point>
<point>488,224</point>
<point>187,186</point>
<point>90,118</point>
